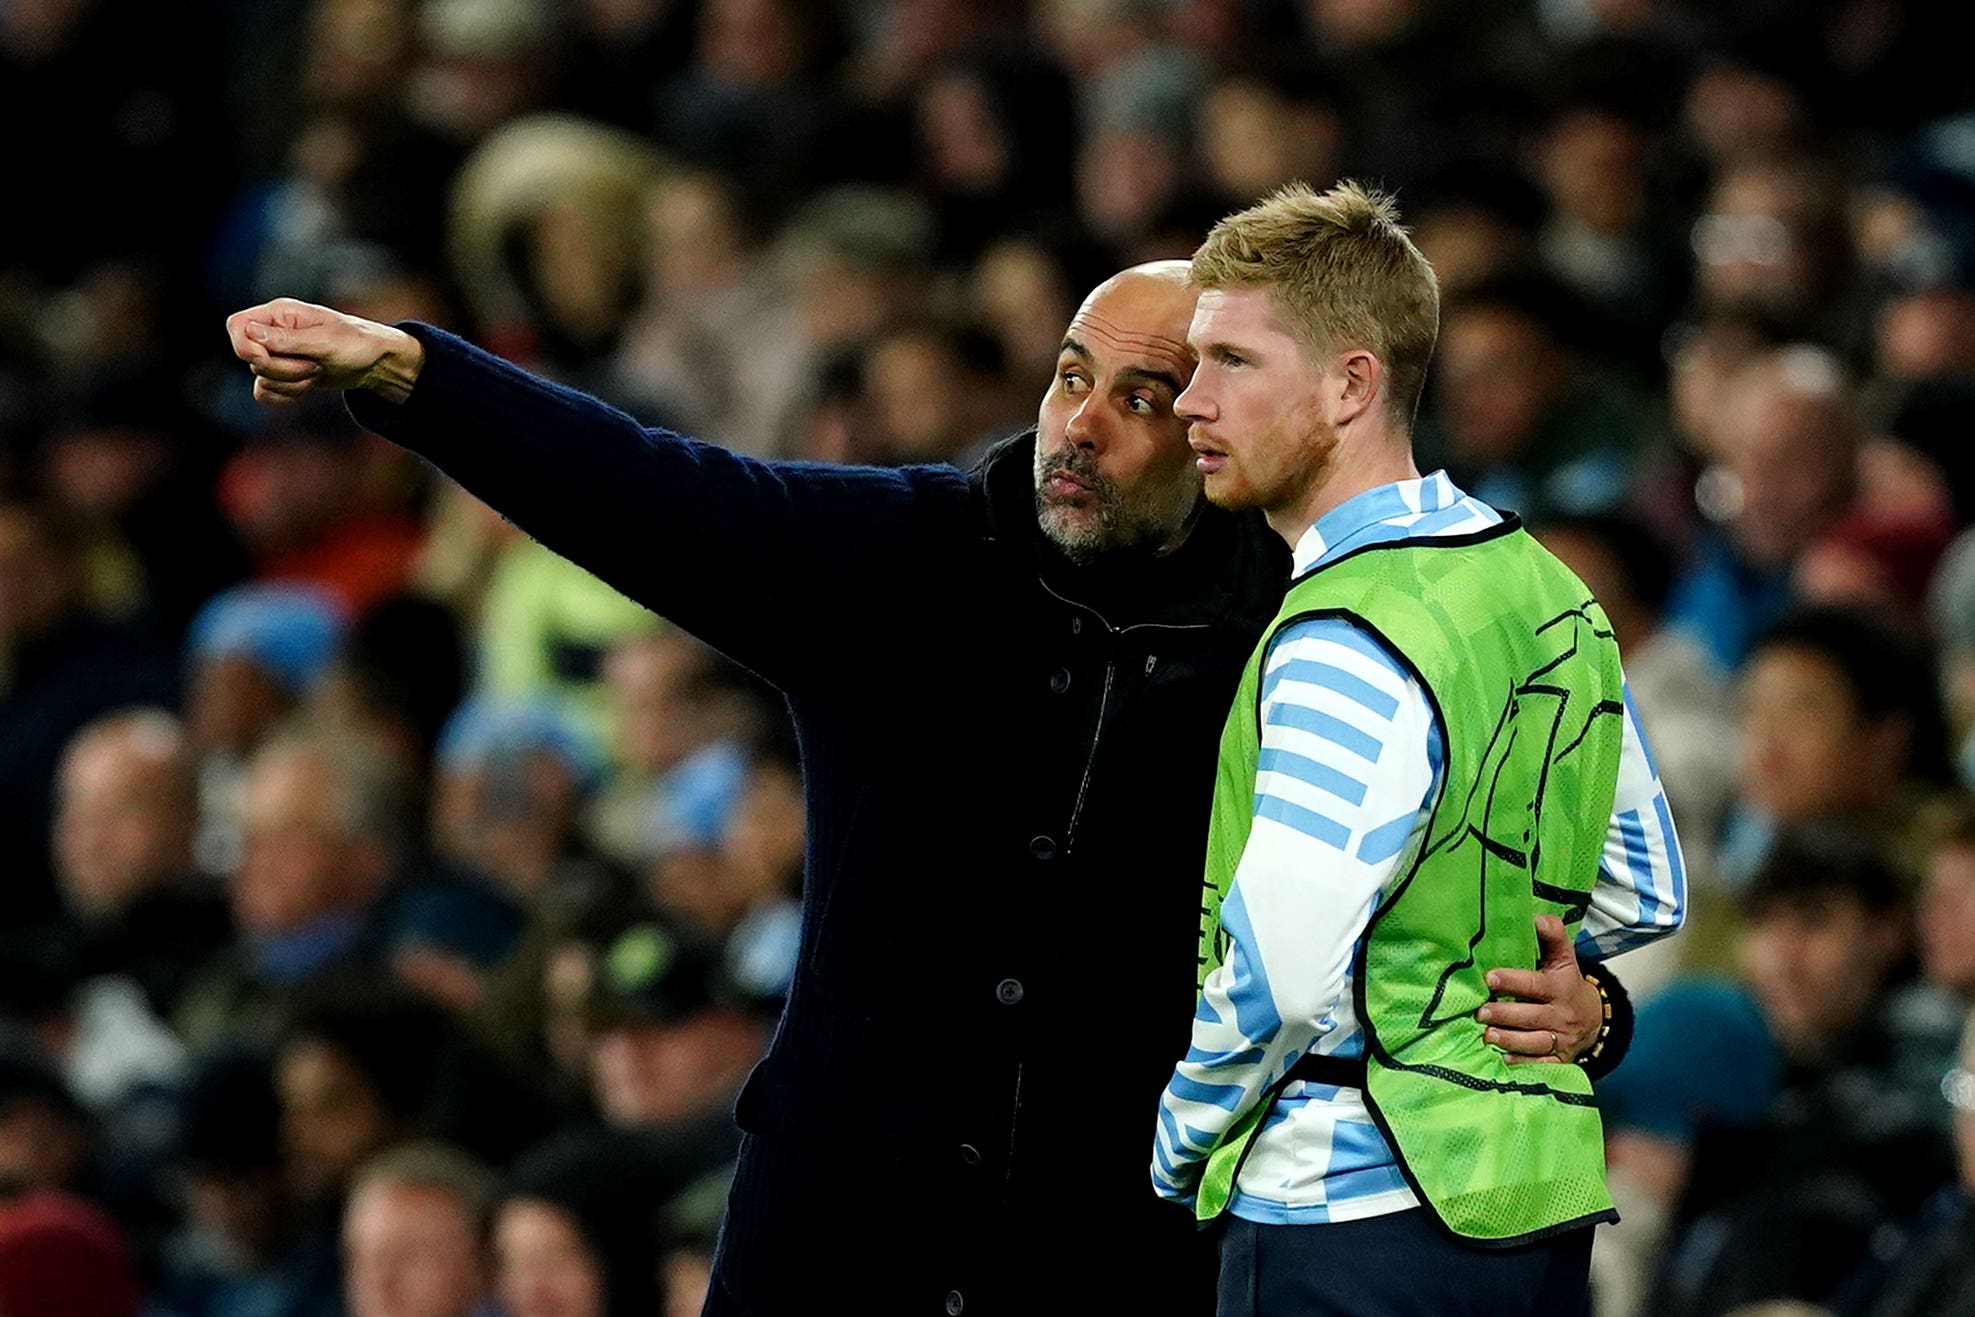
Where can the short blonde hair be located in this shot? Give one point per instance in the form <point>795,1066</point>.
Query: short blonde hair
<point>1342,269</point>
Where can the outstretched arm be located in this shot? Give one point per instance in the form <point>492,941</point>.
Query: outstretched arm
<point>802,572</point>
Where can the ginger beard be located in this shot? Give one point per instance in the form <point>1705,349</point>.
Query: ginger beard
<point>1275,469</point>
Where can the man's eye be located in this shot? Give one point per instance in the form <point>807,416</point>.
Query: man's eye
<point>1140,406</point>
<point>1071,381</point>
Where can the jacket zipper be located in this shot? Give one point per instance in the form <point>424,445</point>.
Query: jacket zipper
<point>1097,735</point>
<point>1104,700</point>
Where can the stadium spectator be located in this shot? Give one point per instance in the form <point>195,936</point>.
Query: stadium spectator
<point>126,812</point>
<point>60,667</point>
<point>708,213</point>
<point>1788,471</point>
<point>1856,1135</point>
<point>1522,419</point>
<point>415,1234</point>
<point>320,828</point>
<point>1840,723</point>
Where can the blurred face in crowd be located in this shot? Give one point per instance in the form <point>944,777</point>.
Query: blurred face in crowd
<point>1792,452</point>
<point>1499,373</point>
<point>1927,335</point>
<point>1753,248</point>
<point>1737,113</point>
<point>545,1268</point>
<point>290,489</point>
<point>332,1117</point>
<point>1018,286</point>
<point>1348,25</point>
<point>1255,139</point>
<point>302,857</point>
<point>751,43</point>
<point>650,1073</point>
<point>659,718</point>
<point>355,50</point>
<point>922,394</point>
<point>1112,467</point>
<point>38,586</point>
<point>125,811</point>
<point>100,471</point>
<point>1255,404</point>
<point>586,268</point>
<point>232,705</point>
<point>1808,751</point>
<point>1124,178</point>
<point>1946,927</point>
<point>1816,963</point>
<point>508,816</point>
<point>763,841</point>
<point>696,885</point>
<point>1703,364</point>
<point>41,1147</point>
<point>1594,170</point>
<point>961,139</point>
<point>243,1214</point>
<point>411,1250</point>
<point>1466,244</point>
<point>711,883</point>
<point>694,237</point>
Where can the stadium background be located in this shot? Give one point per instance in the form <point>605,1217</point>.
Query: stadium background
<point>356,849</point>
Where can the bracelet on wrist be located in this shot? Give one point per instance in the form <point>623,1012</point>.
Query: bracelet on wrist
<point>1597,1047</point>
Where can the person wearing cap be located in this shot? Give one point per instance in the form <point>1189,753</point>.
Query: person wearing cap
<point>672,1037</point>
<point>512,778</point>
<point>251,654</point>
<point>1006,684</point>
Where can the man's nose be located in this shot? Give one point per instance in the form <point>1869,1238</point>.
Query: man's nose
<point>1082,428</point>
<point>1193,404</point>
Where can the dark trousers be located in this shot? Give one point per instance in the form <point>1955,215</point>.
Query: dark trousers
<point>1398,1265</point>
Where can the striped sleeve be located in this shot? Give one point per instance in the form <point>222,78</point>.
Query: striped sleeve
<point>1348,757</point>
<point>1642,881</point>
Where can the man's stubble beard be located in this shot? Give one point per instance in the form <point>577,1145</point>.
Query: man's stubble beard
<point>1109,522</point>
<point>1315,454</point>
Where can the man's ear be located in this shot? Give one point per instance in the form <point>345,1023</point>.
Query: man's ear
<point>1361,383</point>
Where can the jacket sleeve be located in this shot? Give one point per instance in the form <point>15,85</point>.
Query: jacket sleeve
<point>795,570</point>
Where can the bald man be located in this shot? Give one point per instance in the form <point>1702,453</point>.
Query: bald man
<point>1008,685</point>
<point>126,806</point>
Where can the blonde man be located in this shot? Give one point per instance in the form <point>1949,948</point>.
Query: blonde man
<point>1430,751</point>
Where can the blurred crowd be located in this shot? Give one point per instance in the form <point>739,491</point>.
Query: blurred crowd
<point>391,911</point>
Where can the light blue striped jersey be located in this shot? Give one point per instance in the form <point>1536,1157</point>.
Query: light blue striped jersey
<point>1350,762</point>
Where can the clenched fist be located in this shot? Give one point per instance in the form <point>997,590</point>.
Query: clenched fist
<point>293,347</point>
